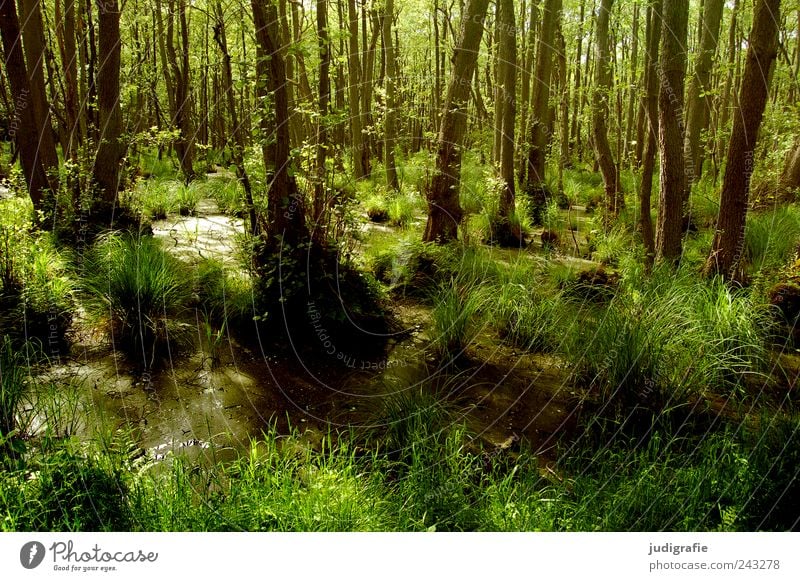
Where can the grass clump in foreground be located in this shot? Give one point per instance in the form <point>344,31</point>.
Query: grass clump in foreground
<point>434,477</point>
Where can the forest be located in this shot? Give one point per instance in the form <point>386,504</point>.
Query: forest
<point>399,265</point>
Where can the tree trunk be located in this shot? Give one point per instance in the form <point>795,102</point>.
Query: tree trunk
<point>285,209</point>
<point>789,182</point>
<point>729,235</point>
<point>650,107</point>
<point>65,31</point>
<point>673,182</point>
<point>182,112</point>
<point>391,99</point>
<point>699,96</point>
<point>444,209</point>
<point>600,112</point>
<point>724,106</point>
<point>356,126</point>
<point>34,46</point>
<point>324,111</point>
<point>539,133</point>
<point>111,149</point>
<point>507,233</point>
<point>23,126</point>
<point>236,128</point>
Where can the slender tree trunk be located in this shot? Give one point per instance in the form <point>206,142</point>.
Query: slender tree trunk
<point>237,148</point>
<point>699,96</point>
<point>525,91</point>
<point>65,31</point>
<point>724,106</point>
<point>23,126</point>
<point>600,111</point>
<point>391,99</point>
<point>324,106</point>
<point>111,150</point>
<point>633,86</point>
<point>444,209</point>
<point>577,92</point>
<point>507,232</point>
<point>729,235</point>
<point>356,125</point>
<point>34,45</point>
<point>673,179</point>
<point>536,186</point>
<point>182,112</point>
<point>285,208</point>
<point>789,182</point>
<point>650,106</point>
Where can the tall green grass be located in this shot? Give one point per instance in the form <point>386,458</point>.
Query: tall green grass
<point>671,336</point>
<point>140,289</point>
<point>771,238</point>
<point>13,386</point>
<point>431,475</point>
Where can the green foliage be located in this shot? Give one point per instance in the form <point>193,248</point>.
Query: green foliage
<point>771,238</point>
<point>13,385</point>
<point>155,199</point>
<point>675,335</point>
<point>80,493</point>
<point>36,282</point>
<point>403,208</point>
<point>281,485</point>
<point>228,194</point>
<point>454,325</point>
<point>609,246</point>
<point>140,288</point>
<point>224,295</point>
<point>529,319</point>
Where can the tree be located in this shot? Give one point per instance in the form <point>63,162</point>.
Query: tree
<point>650,109</point>
<point>390,81</point>
<point>601,94</point>
<point>286,220</point>
<point>238,146</point>
<point>699,96</point>
<point>506,233</point>
<point>324,106</point>
<point>726,250</point>
<point>444,209</point>
<point>178,79</point>
<point>111,149</point>
<point>360,156</point>
<point>539,132</point>
<point>672,179</point>
<point>24,127</point>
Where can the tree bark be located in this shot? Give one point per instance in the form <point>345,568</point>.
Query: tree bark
<point>507,234</point>
<point>236,128</point>
<point>111,150</point>
<point>285,208</point>
<point>673,179</point>
<point>444,209</point>
<point>390,81</point>
<point>650,107</point>
<point>728,242</point>
<point>23,127</point>
<point>539,132</point>
<point>699,96</point>
<point>356,125</point>
<point>600,111</point>
<point>324,111</point>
